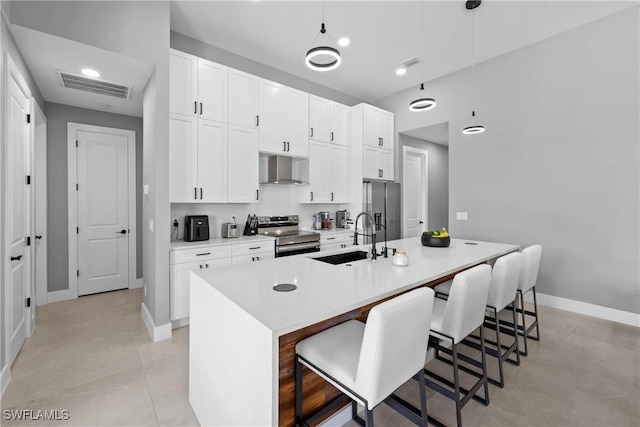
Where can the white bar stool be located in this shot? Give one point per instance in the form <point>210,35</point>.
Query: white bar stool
<point>454,319</point>
<point>528,277</point>
<point>369,362</point>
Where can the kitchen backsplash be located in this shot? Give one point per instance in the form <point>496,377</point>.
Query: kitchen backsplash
<point>274,200</point>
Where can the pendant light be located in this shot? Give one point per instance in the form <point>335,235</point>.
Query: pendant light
<point>470,130</point>
<point>323,50</point>
<point>422,104</point>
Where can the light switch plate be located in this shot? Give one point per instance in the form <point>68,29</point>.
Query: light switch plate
<point>145,189</point>
<point>151,225</point>
<point>462,216</point>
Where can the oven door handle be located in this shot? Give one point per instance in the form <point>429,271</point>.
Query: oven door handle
<point>296,247</point>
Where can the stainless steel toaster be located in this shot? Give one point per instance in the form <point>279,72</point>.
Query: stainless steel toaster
<point>230,230</point>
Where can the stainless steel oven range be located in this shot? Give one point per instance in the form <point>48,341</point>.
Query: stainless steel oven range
<point>290,240</point>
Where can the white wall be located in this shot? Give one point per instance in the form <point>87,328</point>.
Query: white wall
<point>559,162</point>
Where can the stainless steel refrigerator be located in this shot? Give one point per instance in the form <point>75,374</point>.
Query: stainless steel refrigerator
<point>376,194</point>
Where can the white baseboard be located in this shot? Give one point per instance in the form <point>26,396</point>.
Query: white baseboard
<point>157,333</point>
<point>587,309</point>
<point>5,377</point>
<point>63,295</point>
<point>338,419</point>
<point>175,324</point>
<point>137,284</point>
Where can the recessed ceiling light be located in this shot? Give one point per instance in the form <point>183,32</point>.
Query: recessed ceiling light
<point>401,71</point>
<point>90,73</point>
<point>344,41</point>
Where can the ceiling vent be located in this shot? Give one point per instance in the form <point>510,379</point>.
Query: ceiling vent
<point>409,62</point>
<point>100,87</point>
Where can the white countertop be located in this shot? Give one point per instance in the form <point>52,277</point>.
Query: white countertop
<point>326,290</point>
<point>218,241</point>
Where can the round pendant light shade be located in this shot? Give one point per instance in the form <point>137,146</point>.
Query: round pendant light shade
<point>473,129</point>
<point>422,104</point>
<point>323,58</point>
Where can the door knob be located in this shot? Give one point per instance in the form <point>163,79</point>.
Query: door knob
<point>121,232</point>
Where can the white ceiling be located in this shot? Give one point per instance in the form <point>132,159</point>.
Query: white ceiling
<point>383,34</point>
<point>45,53</point>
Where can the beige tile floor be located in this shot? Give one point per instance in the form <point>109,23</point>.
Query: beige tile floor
<point>93,357</point>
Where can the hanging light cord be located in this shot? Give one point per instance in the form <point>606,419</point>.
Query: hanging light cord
<point>323,31</point>
<point>422,41</point>
<point>473,64</point>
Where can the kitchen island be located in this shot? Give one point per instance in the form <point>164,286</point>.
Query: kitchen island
<point>243,333</point>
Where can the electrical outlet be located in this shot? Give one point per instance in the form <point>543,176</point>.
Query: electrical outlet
<point>462,216</point>
<point>151,225</point>
<point>175,222</point>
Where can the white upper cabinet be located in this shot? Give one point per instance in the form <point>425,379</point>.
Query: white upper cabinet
<point>242,163</point>
<point>197,87</point>
<point>183,91</point>
<point>284,120</point>
<point>328,121</point>
<point>340,124</point>
<point>212,91</point>
<point>374,137</point>
<point>272,112</point>
<point>297,123</point>
<point>183,157</point>
<point>329,174</point>
<point>243,98</point>
<point>211,163</point>
<point>319,119</point>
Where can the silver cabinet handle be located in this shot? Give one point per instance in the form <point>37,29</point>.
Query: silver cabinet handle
<point>257,194</point>
<point>206,266</point>
<point>331,238</point>
<point>257,120</point>
<point>257,258</point>
<point>200,266</point>
<point>195,193</point>
<point>331,136</point>
<point>311,132</point>
<point>200,193</point>
<point>201,108</point>
<point>288,147</point>
<point>284,146</point>
<point>195,107</point>
<point>253,259</point>
<point>312,196</point>
<point>332,196</point>
<point>204,253</point>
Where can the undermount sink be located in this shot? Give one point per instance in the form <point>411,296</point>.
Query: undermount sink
<point>343,258</point>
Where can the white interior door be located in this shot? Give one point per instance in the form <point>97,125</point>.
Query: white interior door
<point>103,212</point>
<point>414,192</point>
<point>18,211</point>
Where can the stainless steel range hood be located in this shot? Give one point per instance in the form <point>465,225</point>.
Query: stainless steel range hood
<point>280,171</point>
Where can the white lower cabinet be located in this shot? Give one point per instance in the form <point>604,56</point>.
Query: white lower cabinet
<point>338,240</point>
<point>183,261</point>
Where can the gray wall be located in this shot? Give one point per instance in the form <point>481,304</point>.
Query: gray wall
<point>437,180</point>
<point>224,57</point>
<point>57,118</point>
<point>559,162</point>
<point>142,33</point>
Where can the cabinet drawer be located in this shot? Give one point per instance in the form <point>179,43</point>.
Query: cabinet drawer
<point>253,248</point>
<point>336,237</point>
<point>335,246</point>
<point>252,257</point>
<point>200,254</point>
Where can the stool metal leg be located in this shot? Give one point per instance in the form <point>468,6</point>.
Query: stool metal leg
<point>456,383</point>
<point>354,409</point>
<point>484,366</point>
<point>298,393</point>
<point>423,399</point>
<point>369,415</point>
<point>524,324</point>
<point>500,358</point>
<point>535,310</point>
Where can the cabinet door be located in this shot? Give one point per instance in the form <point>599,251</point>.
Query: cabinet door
<point>340,174</point>
<point>319,172</point>
<point>183,74</point>
<point>370,167</point>
<point>179,288</point>
<point>183,158</point>
<point>297,134</point>
<point>240,259</point>
<point>243,99</point>
<point>319,119</point>
<point>212,91</point>
<point>242,159</point>
<point>371,131</point>
<point>212,162</point>
<point>272,117</point>
<point>340,124</point>
<point>386,130</point>
<point>386,164</point>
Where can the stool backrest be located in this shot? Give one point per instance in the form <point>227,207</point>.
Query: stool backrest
<point>504,280</point>
<point>465,306</point>
<point>530,265</point>
<point>394,346</point>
